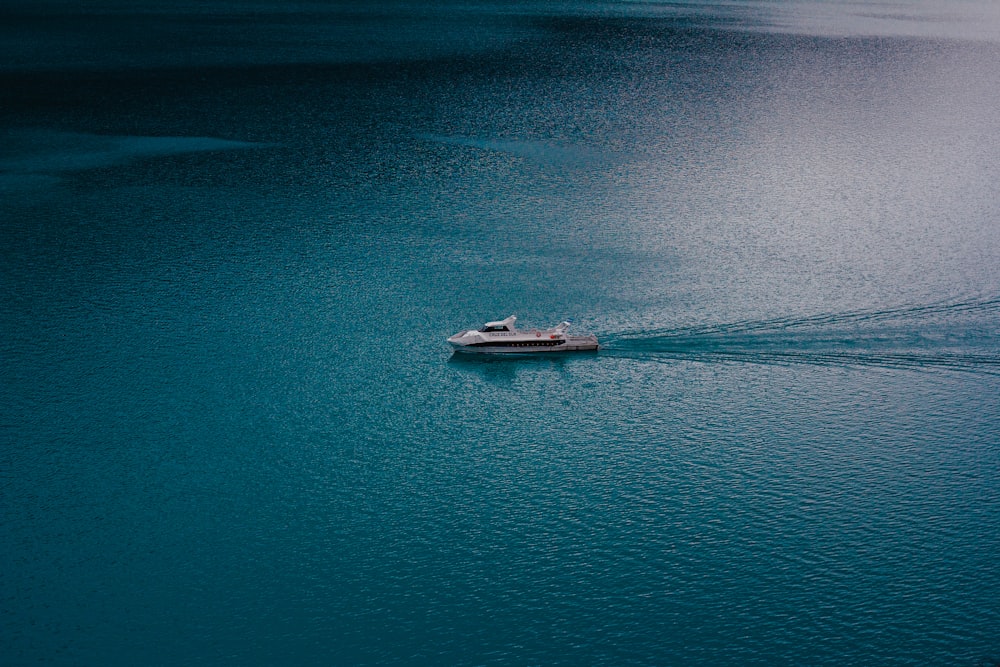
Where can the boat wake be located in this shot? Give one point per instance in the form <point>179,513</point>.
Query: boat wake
<point>954,335</point>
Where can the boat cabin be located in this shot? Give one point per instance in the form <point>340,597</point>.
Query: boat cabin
<point>502,325</point>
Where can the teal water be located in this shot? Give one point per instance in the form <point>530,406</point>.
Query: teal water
<point>236,237</point>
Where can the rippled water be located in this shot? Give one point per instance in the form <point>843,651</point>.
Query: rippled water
<point>237,235</point>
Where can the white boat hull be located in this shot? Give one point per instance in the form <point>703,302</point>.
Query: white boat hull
<point>571,344</point>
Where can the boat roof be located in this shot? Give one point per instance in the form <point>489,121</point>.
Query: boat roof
<point>508,322</point>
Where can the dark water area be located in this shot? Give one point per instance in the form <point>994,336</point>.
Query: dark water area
<point>236,236</point>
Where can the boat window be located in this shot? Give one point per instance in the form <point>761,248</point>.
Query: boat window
<point>495,328</point>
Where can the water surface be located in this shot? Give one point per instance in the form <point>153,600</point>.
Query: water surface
<point>237,235</point>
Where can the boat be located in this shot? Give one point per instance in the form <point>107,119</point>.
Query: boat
<point>502,337</point>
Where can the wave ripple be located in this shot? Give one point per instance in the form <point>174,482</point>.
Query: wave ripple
<point>959,335</point>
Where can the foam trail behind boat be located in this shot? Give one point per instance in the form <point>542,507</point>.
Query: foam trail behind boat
<point>955,335</point>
